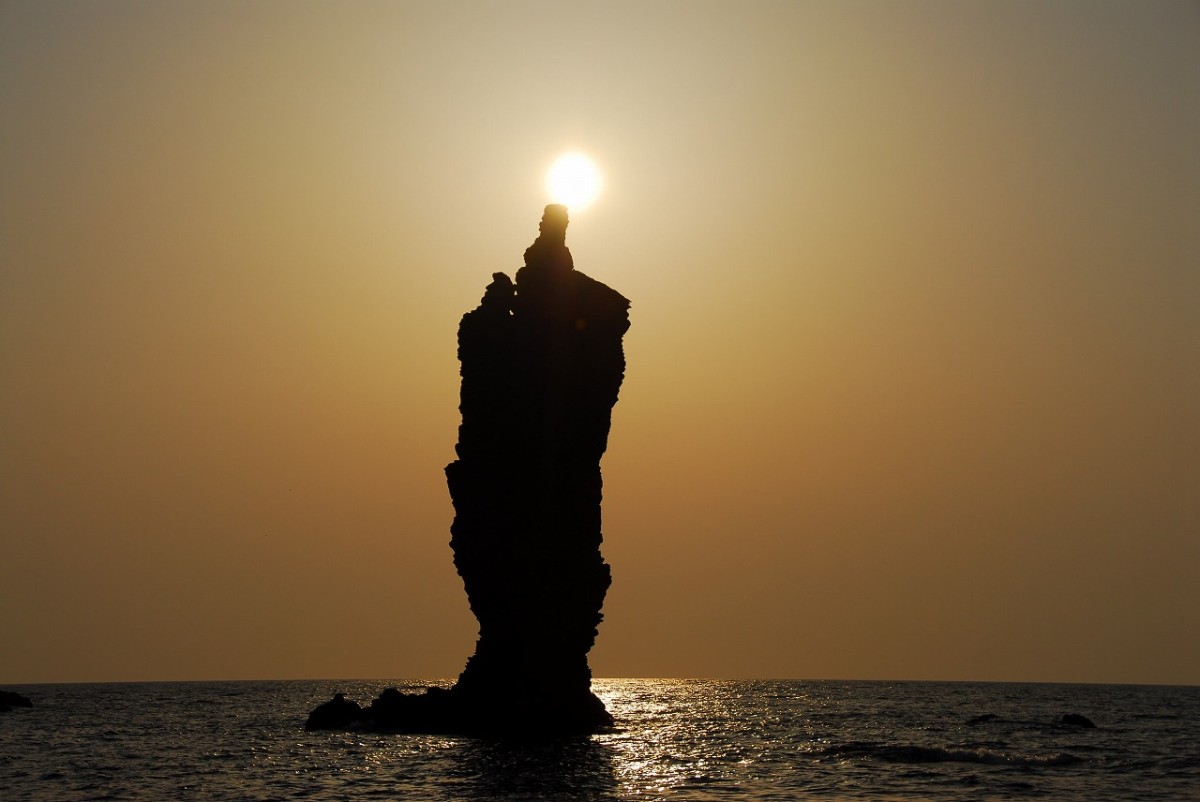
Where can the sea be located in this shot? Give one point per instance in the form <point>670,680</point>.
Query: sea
<point>676,739</point>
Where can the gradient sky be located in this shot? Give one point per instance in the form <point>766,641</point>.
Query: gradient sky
<point>913,376</point>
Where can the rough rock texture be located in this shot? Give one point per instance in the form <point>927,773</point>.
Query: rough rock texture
<point>542,363</point>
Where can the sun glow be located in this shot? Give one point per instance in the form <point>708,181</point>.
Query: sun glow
<point>573,180</point>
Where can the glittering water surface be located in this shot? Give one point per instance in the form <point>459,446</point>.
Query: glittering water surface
<point>676,739</point>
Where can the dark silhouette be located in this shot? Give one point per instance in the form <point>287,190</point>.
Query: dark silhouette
<point>11,699</point>
<point>336,714</point>
<point>542,364</point>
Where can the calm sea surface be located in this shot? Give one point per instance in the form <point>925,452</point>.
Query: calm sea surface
<point>677,739</point>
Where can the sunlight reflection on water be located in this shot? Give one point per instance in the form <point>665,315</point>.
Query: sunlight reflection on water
<point>676,739</point>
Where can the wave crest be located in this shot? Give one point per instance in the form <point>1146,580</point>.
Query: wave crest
<point>911,753</point>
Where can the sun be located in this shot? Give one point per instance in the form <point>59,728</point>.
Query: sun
<point>573,181</point>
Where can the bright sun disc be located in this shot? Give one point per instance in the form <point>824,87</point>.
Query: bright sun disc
<point>573,181</point>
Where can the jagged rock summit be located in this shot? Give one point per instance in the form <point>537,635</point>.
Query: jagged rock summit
<point>542,364</point>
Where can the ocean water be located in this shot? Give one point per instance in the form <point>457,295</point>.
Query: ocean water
<point>676,739</point>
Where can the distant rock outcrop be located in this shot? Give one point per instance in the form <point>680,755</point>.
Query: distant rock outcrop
<point>11,699</point>
<point>542,363</point>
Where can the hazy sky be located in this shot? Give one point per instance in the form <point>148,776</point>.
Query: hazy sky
<point>913,377</point>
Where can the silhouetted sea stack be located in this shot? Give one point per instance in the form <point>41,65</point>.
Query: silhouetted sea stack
<point>542,363</point>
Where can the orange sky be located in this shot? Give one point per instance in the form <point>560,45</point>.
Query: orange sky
<point>913,374</point>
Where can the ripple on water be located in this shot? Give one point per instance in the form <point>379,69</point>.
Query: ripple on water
<point>676,739</point>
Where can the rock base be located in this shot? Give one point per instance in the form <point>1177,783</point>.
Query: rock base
<point>449,711</point>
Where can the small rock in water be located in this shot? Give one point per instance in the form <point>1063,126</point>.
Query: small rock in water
<point>985,718</point>
<point>1076,720</point>
<point>11,699</point>
<point>336,714</point>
